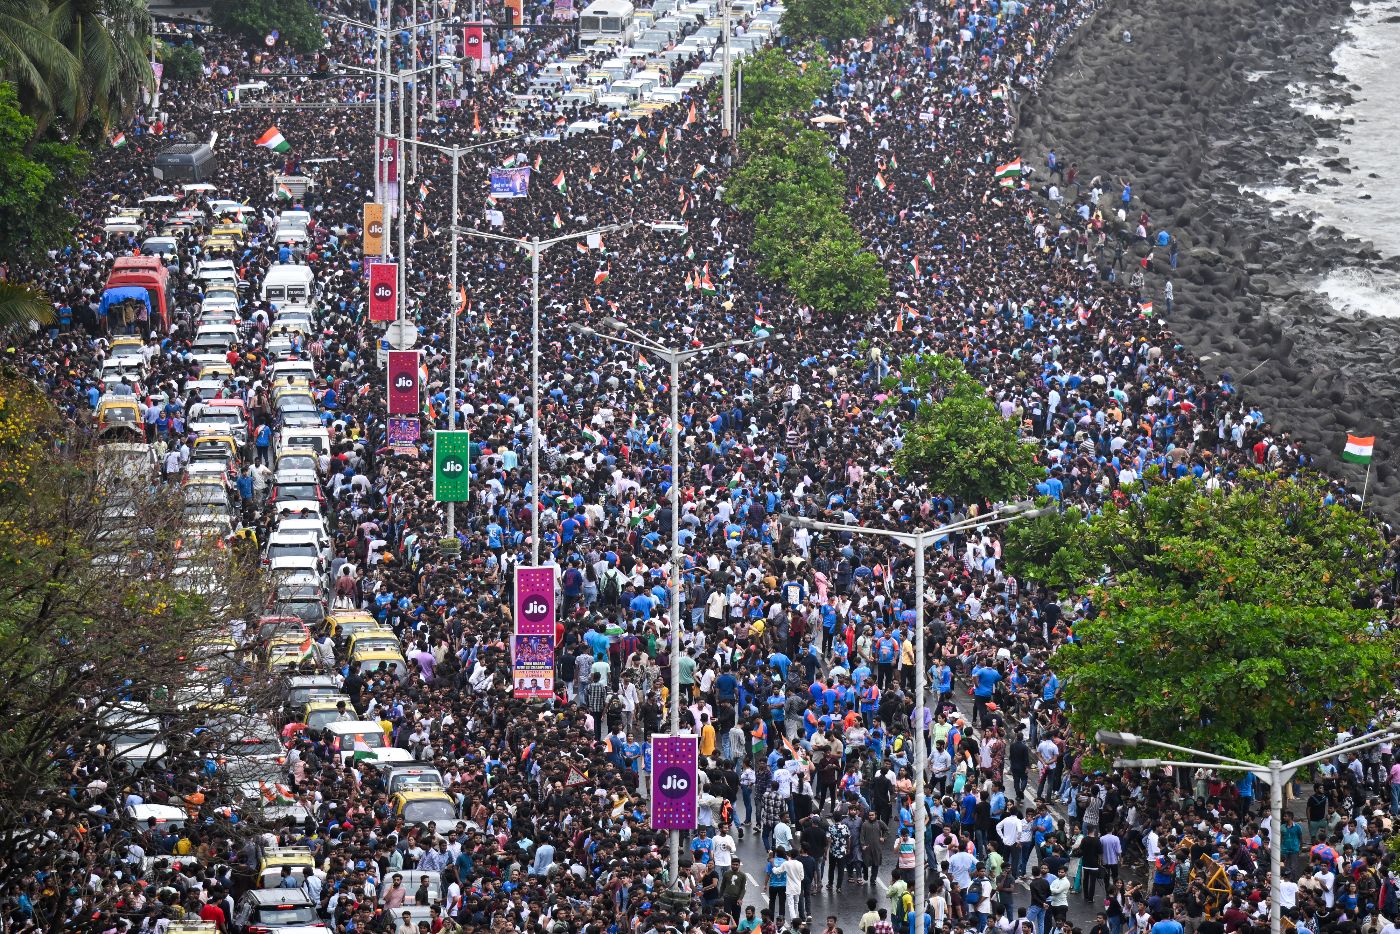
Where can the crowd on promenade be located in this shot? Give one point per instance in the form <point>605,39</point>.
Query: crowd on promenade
<point>797,651</point>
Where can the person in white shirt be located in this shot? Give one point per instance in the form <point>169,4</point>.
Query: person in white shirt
<point>1328,880</point>
<point>1009,832</point>
<point>722,850</point>
<point>796,875</point>
<point>1288,893</point>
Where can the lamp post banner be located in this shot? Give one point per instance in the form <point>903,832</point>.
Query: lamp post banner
<point>534,601</point>
<point>404,382</point>
<point>674,761</point>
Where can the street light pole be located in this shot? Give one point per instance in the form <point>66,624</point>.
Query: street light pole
<point>535,246</point>
<point>452,342</point>
<point>1276,773</point>
<point>919,542</point>
<point>726,120</point>
<point>675,357</point>
<point>535,402</point>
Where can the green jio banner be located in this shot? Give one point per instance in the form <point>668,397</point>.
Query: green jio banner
<point>451,455</point>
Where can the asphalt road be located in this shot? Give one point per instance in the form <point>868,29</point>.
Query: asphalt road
<point>849,904</point>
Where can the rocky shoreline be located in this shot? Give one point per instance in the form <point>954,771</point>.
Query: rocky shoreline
<point>1193,110</point>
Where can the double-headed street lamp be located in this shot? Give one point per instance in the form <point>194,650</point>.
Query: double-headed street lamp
<point>535,246</point>
<point>676,358</point>
<point>919,542</point>
<point>1276,773</point>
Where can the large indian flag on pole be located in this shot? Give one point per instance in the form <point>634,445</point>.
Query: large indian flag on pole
<point>274,140</point>
<point>1010,170</point>
<point>1359,450</point>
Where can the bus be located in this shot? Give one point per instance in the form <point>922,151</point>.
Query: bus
<point>607,21</point>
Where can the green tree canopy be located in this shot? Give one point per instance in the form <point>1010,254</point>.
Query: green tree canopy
<point>294,21</point>
<point>778,82</point>
<point>957,443</point>
<point>36,183</point>
<point>1232,620</point>
<point>834,20</point>
<point>182,62</point>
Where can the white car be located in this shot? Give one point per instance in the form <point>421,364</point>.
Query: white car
<point>164,815</point>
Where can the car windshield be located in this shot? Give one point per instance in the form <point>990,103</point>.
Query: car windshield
<point>255,746</point>
<point>119,413</point>
<point>291,549</point>
<point>296,491</point>
<point>320,719</point>
<point>133,737</point>
<point>221,418</point>
<point>420,812</point>
<point>285,915</point>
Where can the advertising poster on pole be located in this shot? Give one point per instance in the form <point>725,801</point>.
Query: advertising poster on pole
<point>373,226</point>
<point>534,667</point>
<point>383,291</point>
<point>389,160</point>
<point>510,183</point>
<point>452,466</point>
<point>533,655</point>
<point>403,434</point>
<point>404,397</point>
<point>474,46</point>
<point>674,761</point>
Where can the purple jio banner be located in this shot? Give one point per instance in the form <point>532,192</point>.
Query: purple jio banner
<point>534,601</point>
<point>532,651</point>
<point>533,670</point>
<point>674,761</point>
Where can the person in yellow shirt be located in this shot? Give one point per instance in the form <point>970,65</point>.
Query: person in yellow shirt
<point>707,736</point>
<point>906,663</point>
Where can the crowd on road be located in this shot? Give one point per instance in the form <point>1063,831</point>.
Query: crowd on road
<point>796,657</point>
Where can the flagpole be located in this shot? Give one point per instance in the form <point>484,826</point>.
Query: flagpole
<point>1366,484</point>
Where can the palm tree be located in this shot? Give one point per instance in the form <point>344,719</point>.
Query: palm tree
<point>42,69</point>
<point>20,305</point>
<point>109,40</point>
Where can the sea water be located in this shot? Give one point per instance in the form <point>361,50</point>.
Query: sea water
<point>1365,202</point>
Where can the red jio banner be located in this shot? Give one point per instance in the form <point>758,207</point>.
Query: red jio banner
<point>388,160</point>
<point>384,292</point>
<point>404,382</point>
<point>474,43</point>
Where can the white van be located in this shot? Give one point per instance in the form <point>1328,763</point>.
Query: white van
<point>665,95</point>
<point>288,282</point>
<point>584,128</point>
<point>304,437</point>
<point>615,102</point>
<point>580,97</point>
<point>291,219</point>
<point>632,88</point>
<point>301,372</point>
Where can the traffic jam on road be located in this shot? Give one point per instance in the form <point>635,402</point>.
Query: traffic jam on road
<point>240,421</point>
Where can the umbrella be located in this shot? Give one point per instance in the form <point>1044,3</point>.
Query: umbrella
<point>827,118</point>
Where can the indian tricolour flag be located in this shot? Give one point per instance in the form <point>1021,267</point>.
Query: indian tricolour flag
<point>274,140</point>
<point>561,183</point>
<point>362,750</point>
<point>707,286</point>
<point>880,181</point>
<point>1359,450</point>
<point>1011,169</point>
<point>119,141</point>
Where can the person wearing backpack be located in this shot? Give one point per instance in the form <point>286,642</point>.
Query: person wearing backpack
<point>610,588</point>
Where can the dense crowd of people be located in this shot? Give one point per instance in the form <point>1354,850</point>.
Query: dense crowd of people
<point>796,656</point>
